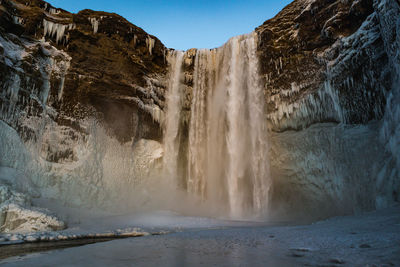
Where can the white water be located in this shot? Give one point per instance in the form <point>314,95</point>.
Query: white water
<point>172,121</point>
<point>227,161</point>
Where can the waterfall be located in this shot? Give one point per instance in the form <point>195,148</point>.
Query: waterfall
<point>227,153</point>
<point>172,121</point>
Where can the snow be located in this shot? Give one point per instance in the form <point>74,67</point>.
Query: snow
<point>87,223</point>
<point>16,212</point>
<point>20,219</point>
<point>351,241</point>
<point>43,235</point>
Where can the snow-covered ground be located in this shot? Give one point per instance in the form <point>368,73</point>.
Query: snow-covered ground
<point>85,223</point>
<point>370,239</point>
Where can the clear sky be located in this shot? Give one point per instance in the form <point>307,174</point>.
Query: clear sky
<point>186,24</point>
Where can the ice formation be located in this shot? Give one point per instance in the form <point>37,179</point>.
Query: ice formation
<point>43,235</point>
<point>16,211</point>
<point>95,24</point>
<point>388,11</point>
<point>322,105</point>
<point>53,29</point>
<point>150,44</point>
<point>62,162</point>
<point>54,64</point>
<point>54,11</point>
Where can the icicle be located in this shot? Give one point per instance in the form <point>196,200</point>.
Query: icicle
<point>150,44</point>
<point>134,40</point>
<point>157,114</point>
<point>95,24</point>
<point>54,11</point>
<point>52,29</point>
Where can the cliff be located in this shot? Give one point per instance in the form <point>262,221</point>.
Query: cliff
<point>98,65</point>
<point>83,101</point>
<point>330,82</point>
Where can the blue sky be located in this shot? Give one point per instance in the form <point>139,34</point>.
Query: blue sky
<point>186,24</point>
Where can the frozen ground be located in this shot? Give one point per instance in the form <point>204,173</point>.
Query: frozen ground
<point>86,224</point>
<point>370,239</point>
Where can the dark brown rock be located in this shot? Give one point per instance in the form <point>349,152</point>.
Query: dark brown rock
<point>108,68</point>
<point>304,45</point>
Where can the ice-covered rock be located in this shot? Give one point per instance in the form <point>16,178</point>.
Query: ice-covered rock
<point>52,29</point>
<point>17,214</point>
<point>388,181</point>
<point>16,218</point>
<point>95,24</point>
<point>150,44</point>
<point>85,124</point>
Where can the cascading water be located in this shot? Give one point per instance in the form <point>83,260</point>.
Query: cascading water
<point>227,161</point>
<point>173,119</point>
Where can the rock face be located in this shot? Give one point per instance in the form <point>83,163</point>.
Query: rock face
<point>70,82</point>
<point>326,54</point>
<point>331,62</point>
<point>98,65</point>
<point>81,93</point>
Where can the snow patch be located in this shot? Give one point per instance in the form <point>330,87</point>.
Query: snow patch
<point>16,212</point>
<point>45,236</point>
<point>20,219</point>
